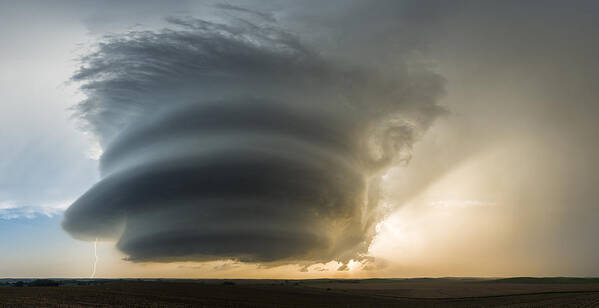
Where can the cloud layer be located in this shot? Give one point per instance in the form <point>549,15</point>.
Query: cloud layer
<point>237,141</point>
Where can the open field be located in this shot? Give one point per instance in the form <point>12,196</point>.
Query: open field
<point>308,293</point>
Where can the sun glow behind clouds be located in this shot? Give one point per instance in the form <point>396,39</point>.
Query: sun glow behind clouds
<point>448,222</point>
<point>460,203</point>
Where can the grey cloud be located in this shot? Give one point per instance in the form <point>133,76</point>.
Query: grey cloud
<point>265,16</point>
<point>237,141</point>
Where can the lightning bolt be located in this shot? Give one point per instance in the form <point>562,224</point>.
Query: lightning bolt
<point>96,258</point>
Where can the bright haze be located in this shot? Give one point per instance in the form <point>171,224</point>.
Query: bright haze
<point>299,139</point>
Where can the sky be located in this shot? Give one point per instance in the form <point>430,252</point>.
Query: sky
<point>288,139</point>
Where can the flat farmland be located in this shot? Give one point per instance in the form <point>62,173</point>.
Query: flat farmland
<point>307,293</point>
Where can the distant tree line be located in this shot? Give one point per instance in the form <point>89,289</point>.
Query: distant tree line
<point>51,283</point>
<point>35,283</point>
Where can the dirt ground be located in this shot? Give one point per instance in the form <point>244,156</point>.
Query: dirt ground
<point>318,293</point>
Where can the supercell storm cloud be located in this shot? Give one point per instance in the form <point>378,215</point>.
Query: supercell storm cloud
<point>240,142</point>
